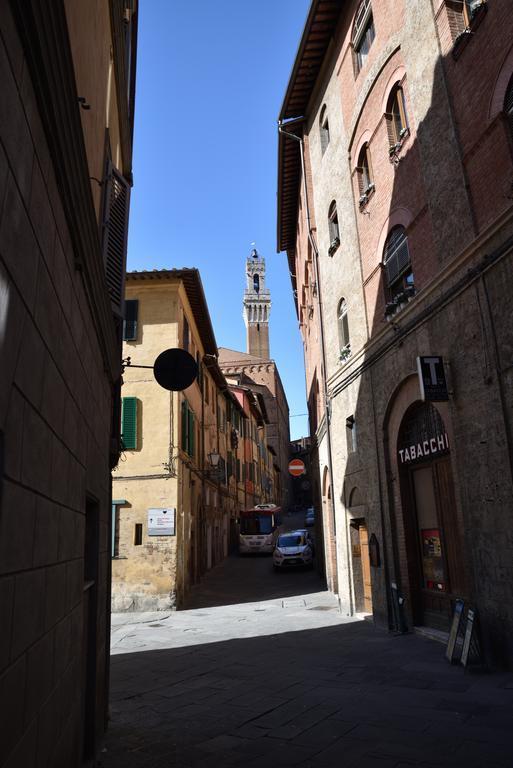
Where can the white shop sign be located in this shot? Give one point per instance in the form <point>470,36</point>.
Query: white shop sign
<point>438,444</point>
<point>161,521</point>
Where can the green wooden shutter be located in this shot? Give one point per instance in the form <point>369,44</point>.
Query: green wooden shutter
<point>191,434</point>
<point>129,423</point>
<point>185,417</point>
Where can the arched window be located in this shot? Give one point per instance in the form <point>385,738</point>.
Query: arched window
<point>343,329</point>
<point>364,170</point>
<point>397,266</point>
<point>256,283</point>
<point>324,129</point>
<point>397,120</point>
<point>363,33</point>
<point>333,228</point>
<point>470,8</point>
<point>508,105</point>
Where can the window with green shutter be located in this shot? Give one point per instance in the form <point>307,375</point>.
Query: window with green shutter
<point>188,429</point>
<point>129,423</point>
<point>184,418</point>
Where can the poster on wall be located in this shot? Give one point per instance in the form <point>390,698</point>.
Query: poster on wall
<point>432,563</point>
<point>161,521</point>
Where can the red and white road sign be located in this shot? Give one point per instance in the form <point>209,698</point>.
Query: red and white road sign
<point>296,468</point>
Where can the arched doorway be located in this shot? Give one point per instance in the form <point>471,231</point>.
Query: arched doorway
<point>433,529</point>
<point>361,569</point>
<point>330,534</point>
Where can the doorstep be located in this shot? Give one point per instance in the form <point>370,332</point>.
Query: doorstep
<point>432,634</point>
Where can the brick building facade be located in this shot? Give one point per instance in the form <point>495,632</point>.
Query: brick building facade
<point>395,209</point>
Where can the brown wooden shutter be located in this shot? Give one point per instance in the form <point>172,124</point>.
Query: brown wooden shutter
<point>115,236</point>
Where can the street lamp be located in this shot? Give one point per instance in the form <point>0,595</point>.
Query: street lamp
<point>213,459</point>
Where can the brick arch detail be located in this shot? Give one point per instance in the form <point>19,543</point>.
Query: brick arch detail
<point>499,92</point>
<point>364,139</point>
<point>396,78</point>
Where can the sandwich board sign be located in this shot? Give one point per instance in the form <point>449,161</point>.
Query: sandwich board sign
<point>161,521</point>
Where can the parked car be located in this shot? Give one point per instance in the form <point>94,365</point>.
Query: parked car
<point>308,536</point>
<point>292,550</point>
<point>310,517</point>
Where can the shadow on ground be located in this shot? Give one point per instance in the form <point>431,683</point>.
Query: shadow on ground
<point>346,695</point>
<point>249,579</point>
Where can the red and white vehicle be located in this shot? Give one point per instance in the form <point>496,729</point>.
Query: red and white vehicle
<point>259,528</point>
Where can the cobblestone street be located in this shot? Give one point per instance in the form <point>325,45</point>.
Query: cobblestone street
<point>287,680</point>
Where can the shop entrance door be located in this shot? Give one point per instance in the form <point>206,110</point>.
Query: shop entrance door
<point>432,527</point>
<point>366,571</point>
<point>439,542</point>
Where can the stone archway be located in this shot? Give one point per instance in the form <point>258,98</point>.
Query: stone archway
<point>330,540</point>
<point>360,561</point>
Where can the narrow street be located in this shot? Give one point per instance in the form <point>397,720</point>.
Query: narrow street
<point>263,670</point>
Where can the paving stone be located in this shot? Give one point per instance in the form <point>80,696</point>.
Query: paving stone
<point>322,692</point>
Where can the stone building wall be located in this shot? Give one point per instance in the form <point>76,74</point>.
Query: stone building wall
<point>59,364</point>
<point>449,185</point>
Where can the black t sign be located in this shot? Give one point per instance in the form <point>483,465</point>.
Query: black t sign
<point>432,383</point>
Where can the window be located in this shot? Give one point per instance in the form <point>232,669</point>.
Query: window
<point>351,434</point>
<point>333,228</point>
<point>129,423</point>
<point>116,504</point>
<point>185,334</point>
<point>508,105</point>
<point>396,117</point>
<point>130,321</point>
<point>364,171</point>
<point>188,432</point>
<point>138,535</point>
<point>324,130</point>
<point>343,330</point>
<point>397,266</point>
<point>363,34</point>
<point>470,8</point>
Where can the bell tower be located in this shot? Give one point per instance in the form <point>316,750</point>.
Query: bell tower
<point>257,307</point>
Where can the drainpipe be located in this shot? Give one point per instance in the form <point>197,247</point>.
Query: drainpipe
<point>327,409</point>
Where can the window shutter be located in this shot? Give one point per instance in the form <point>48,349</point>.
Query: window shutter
<point>115,234</point>
<point>185,332</point>
<point>129,423</point>
<point>130,322</point>
<point>229,465</point>
<point>191,434</point>
<point>397,256</point>
<point>184,425</point>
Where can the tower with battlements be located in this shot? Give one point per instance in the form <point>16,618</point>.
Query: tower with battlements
<point>257,307</point>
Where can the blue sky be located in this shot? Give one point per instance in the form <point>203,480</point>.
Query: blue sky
<point>211,77</point>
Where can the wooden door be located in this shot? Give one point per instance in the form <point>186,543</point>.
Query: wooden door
<point>366,570</point>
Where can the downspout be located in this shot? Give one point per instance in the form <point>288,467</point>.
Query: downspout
<point>315,250</point>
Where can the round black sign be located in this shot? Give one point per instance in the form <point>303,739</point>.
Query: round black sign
<point>175,369</point>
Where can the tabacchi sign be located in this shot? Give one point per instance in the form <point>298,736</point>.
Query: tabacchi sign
<point>432,445</point>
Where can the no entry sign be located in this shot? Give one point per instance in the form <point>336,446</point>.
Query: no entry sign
<point>296,468</point>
